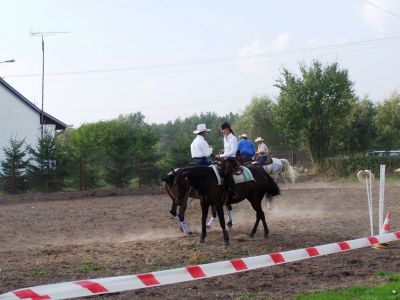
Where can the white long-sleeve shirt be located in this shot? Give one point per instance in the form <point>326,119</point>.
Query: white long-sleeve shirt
<point>262,149</point>
<point>200,147</point>
<point>230,146</point>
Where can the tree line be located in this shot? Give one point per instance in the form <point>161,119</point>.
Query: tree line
<point>316,110</point>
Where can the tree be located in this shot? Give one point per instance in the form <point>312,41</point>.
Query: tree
<point>387,121</point>
<point>47,170</point>
<point>358,130</point>
<point>119,144</point>
<point>258,120</point>
<point>14,166</point>
<point>311,107</point>
<point>86,154</point>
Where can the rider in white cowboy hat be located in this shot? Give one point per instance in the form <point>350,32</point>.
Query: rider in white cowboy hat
<point>245,149</point>
<point>262,151</point>
<point>199,148</point>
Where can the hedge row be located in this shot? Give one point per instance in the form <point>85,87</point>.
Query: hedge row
<point>345,166</point>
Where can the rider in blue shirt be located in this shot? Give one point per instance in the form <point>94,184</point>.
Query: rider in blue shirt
<point>245,149</point>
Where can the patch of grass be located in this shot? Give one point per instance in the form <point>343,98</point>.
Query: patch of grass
<point>380,274</point>
<point>229,255</point>
<point>195,257</point>
<point>390,290</point>
<point>245,295</point>
<point>37,253</point>
<point>395,278</point>
<point>153,268</point>
<point>39,272</point>
<point>192,247</point>
<point>90,266</point>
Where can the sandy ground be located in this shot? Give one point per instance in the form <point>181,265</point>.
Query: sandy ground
<point>47,240</point>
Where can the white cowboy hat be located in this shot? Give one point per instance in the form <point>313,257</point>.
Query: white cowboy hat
<point>243,136</point>
<point>259,139</point>
<point>201,128</point>
<point>364,174</point>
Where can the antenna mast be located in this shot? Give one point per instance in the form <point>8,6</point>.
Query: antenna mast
<point>43,34</point>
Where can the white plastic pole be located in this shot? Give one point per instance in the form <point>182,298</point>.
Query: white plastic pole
<point>369,197</point>
<point>381,195</point>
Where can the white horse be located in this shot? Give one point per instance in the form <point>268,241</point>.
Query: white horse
<point>275,170</point>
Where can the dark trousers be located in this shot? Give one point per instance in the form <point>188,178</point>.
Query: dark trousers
<point>202,161</point>
<point>227,171</point>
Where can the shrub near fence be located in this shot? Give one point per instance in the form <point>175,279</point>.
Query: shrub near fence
<point>345,166</point>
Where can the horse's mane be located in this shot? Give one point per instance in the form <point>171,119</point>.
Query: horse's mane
<point>199,176</point>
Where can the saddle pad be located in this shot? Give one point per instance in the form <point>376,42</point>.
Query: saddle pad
<point>243,177</point>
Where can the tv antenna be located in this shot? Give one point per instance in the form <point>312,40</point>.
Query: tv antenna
<point>43,34</point>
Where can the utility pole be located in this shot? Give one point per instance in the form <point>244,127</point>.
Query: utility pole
<point>43,34</point>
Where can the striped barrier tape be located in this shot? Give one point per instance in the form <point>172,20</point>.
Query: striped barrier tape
<point>84,288</point>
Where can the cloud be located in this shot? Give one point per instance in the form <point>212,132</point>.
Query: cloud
<point>257,47</point>
<point>376,18</point>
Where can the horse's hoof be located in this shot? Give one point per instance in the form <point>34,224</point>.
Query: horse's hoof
<point>251,235</point>
<point>172,215</point>
<point>229,224</point>
<point>201,241</point>
<point>266,236</point>
<point>226,243</point>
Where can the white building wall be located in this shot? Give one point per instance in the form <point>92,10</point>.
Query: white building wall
<point>17,119</point>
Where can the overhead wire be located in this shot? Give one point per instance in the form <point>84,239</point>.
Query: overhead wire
<point>381,8</point>
<point>219,60</point>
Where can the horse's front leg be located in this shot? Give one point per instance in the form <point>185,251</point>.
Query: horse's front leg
<point>180,218</point>
<point>173,209</point>
<point>220,212</point>
<point>204,212</point>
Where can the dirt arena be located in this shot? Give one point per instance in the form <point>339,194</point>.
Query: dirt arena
<point>47,241</point>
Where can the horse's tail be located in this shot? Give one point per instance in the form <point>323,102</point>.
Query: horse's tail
<point>290,169</point>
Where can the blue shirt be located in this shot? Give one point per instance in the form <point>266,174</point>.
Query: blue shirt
<point>245,147</point>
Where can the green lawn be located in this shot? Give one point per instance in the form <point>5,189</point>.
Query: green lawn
<point>390,290</point>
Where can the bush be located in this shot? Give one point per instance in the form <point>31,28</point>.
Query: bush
<point>345,166</point>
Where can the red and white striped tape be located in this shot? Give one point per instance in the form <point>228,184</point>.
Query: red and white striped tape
<point>82,288</point>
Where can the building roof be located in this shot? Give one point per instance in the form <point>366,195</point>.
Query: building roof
<point>47,118</point>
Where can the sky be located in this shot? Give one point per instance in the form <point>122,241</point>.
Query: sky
<point>172,59</point>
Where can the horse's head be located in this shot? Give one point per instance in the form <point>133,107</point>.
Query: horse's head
<point>181,186</point>
<point>169,178</point>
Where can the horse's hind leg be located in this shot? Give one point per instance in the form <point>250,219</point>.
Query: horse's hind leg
<point>230,215</point>
<point>260,216</point>
<point>254,230</point>
<point>220,212</point>
<point>213,216</point>
<point>284,179</point>
<point>269,200</point>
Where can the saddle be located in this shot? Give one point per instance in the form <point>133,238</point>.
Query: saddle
<point>244,176</point>
<point>268,161</point>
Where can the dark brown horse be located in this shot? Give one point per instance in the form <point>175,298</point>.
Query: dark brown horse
<point>203,180</point>
<point>179,215</point>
